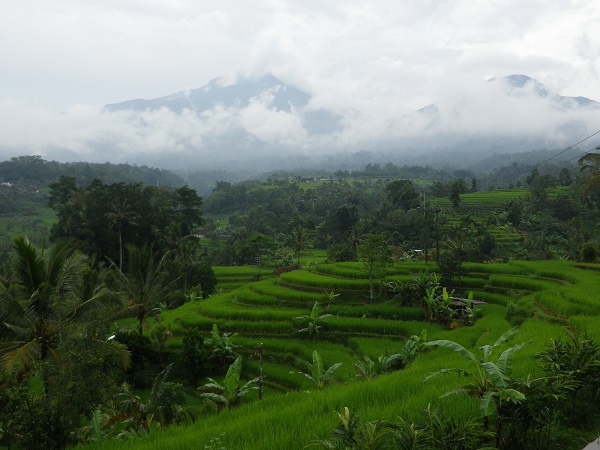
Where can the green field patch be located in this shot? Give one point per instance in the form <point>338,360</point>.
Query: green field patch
<point>224,308</point>
<point>521,283</point>
<point>376,311</point>
<point>496,268</point>
<point>469,283</point>
<point>491,297</point>
<point>274,289</point>
<point>319,282</point>
<point>374,326</point>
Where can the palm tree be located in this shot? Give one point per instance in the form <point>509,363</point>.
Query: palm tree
<point>118,216</point>
<point>492,381</point>
<point>37,313</point>
<point>591,162</point>
<point>300,239</point>
<point>144,286</point>
<point>140,416</point>
<point>230,393</point>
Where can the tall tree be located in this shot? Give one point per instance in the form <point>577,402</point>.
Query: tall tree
<point>144,285</point>
<point>590,162</point>
<point>375,255</point>
<point>300,239</point>
<point>402,194</point>
<point>457,187</point>
<point>120,215</point>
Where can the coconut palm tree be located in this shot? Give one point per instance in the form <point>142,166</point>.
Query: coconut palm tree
<point>44,304</point>
<point>300,239</point>
<point>118,216</point>
<point>144,286</point>
<point>590,162</point>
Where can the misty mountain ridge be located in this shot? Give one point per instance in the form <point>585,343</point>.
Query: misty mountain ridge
<point>217,93</point>
<point>520,82</point>
<point>523,86</point>
<point>263,124</point>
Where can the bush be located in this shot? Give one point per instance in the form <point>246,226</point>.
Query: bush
<point>194,358</point>
<point>143,358</point>
<point>451,267</point>
<point>340,252</point>
<point>589,252</point>
<point>516,314</point>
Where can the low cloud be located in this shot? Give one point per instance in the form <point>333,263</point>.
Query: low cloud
<point>464,110</point>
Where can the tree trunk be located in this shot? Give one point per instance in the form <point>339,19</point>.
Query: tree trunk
<point>141,316</point>
<point>499,417</point>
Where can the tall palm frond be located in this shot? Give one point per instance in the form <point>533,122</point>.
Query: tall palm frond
<point>144,286</point>
<point>45,301</point>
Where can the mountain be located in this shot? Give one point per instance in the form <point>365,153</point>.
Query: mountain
<point>265,124</point>
<point>517,84</point>
<point>218,94</point>
<point>522,86</point>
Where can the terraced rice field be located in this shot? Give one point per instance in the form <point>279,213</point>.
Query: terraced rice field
<point>267,310</point>
<point>563,295</point>
<point>481,205</point>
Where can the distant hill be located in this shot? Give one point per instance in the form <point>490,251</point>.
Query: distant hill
<point>34,170</point>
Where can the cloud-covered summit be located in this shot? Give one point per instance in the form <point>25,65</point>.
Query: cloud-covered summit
<point>264,123</point>
<point>218,93</point>
<point>524,85</point>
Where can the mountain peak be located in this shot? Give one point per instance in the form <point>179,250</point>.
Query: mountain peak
<point>222,91</point>
<point>518,81</point>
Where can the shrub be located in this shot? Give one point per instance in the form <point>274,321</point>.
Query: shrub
<point>194,357</point>
<point>516,313</point>
<point>589,252</point>
<point>143,356</point>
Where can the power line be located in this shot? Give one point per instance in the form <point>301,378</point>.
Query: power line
<point>567,149</point>
<point>597,147</point>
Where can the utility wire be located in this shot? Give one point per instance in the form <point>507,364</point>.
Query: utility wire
<point>597,147</point>
<point>569,148</point>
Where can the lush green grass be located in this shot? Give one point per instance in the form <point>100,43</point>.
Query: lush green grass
<point>563,293</point>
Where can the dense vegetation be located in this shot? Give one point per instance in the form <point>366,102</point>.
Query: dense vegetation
<point>353,294</point>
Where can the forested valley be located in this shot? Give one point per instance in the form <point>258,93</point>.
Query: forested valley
<point>383,307</point>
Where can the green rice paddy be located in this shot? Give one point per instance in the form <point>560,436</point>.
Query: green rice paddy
<point>564,296</point>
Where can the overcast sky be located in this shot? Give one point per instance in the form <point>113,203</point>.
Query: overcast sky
<point>384,57</point>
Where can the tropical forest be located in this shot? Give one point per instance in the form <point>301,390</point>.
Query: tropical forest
<point>384,306</point>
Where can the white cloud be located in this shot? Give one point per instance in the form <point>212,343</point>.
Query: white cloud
<point>374,62</point>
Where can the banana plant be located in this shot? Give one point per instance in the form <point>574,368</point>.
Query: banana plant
<point>224,349</point>
<point>318,374</point>
<point>491,381</point>
<point>313,321</point>
<point>231,393</point>
<point>366,368</point>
